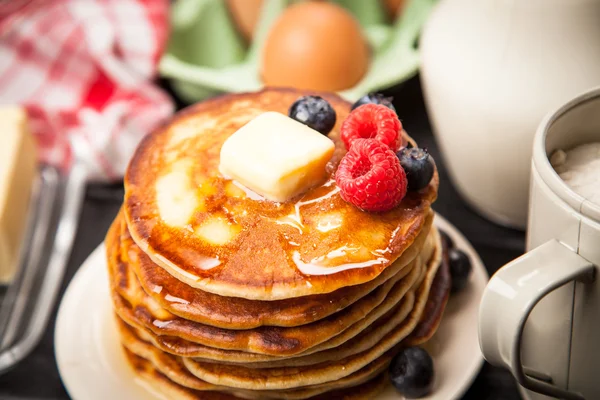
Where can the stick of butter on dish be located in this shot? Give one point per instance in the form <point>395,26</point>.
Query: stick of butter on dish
<point>276,156</point>
<point>18,167</point>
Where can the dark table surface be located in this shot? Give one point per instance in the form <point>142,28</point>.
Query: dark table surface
<point>37,376</point>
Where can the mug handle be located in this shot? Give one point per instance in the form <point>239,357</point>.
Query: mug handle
<point>511,295</point>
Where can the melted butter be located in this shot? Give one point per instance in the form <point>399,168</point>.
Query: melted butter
<point>217,231</point>
<point>175,197</point>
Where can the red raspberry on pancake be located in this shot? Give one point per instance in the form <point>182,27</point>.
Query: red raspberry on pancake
<point>372,121</point>
<point>370,176</point>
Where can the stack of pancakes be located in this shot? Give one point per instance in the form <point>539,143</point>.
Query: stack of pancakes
<point>220,294</point>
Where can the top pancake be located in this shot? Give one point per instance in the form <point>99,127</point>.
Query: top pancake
<point>213,235</point>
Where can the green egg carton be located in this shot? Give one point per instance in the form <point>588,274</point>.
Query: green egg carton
<point>206,55</point>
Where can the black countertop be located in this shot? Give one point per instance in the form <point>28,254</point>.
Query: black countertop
<point>37,376</point>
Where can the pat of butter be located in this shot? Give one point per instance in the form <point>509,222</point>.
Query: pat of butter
<point>18,166</point>
<point>276,156</point>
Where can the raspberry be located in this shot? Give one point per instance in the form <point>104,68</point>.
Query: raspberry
<point>370,176</point>
<point>372,121</point>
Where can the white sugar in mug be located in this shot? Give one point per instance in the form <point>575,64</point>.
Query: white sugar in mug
<point>540,314</point>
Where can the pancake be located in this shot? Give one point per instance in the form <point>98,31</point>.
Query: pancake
<point>436,302</point>
<point>334,349</point>
<point>242,377</point>
<point>173,295</point>
<point>264,340</point>
<point>159,383</point>
<point>173,368</point>
<point>208,233</point>
<point>267,340</point>
<point>237,313</point>
<point>340,346</point>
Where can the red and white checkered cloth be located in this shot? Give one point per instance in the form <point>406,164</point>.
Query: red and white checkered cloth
<point>83,69</point>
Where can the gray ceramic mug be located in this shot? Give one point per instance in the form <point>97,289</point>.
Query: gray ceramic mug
<point>540,314</point>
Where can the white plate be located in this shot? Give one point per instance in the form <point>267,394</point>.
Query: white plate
<point>93,367</point>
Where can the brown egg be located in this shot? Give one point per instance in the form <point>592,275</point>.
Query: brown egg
<point>245,14</point>
<point>315,45</point>
<point>394,7</point>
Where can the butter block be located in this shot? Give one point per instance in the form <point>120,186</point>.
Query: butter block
<point>18,168</point>
<point>276,156</point>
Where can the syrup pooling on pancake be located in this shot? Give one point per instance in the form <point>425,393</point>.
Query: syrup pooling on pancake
<point>208,232</point>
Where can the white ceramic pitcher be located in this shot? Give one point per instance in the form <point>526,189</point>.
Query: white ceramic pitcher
<point>491,69</point>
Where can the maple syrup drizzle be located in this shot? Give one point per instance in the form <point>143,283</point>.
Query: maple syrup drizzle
<point>314,268</point>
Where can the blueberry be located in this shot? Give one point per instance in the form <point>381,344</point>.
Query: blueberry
<point>315,112</point>
<point>460,269</point>
<point>375,98</point>
<point>411,372</point>
<point>418,165</point>
<point>446,238</point>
